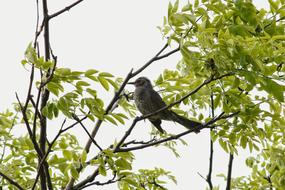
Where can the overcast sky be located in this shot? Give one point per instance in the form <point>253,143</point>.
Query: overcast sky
<point>113,36</point>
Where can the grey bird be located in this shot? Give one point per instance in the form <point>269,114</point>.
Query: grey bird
<point>148,101</point>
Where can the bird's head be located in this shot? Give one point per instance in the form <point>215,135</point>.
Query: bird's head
<point>142,82</point>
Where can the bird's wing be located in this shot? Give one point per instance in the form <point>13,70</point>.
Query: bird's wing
<point>156,100</point>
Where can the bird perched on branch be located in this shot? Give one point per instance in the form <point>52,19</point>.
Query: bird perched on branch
<point>148,101</point>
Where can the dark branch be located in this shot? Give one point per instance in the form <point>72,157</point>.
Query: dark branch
<point>128,132</point>
<point>89,179</point>
<point>47,153</point>
<point>65,9</point>
<point>209,176</point>
<point>229,176</point>
<point>84,128</point>
<point>12,182</point>
<point>174,137</point>
<point>150,61</point>
<point>98,183</point>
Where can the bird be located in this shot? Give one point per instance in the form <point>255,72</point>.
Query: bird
<point>147,101</point>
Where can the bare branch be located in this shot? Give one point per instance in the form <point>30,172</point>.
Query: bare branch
<point>229,176</point>
<point>209,176</point>
<point>175,137</point>
<point>98,183</point>
<point>150,61</point>
<point>65,9</point>
<point>128,132</point>
<point>90,137</point>
<point>11,181</point>
<point>89,179</point>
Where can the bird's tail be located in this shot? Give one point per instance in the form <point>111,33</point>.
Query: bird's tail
<point>189,124</point>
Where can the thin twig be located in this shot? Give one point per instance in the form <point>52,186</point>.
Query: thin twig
<point>174,137</point>
<point>65,9</point>
<point>98,183</point>
<point>84,128</point>
<point>11,181</point>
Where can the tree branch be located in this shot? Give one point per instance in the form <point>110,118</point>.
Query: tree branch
<point>84,128</point>
<point>44,176</point>
<point>90,178</point>
<point>174,137</point>
<point>12,182</point>
<point>98,183</point>
<point>229,176</point>
<point>65,9</point>
<point>47,153</point>
<point>209,176</point>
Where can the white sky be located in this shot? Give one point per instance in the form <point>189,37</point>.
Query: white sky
<point>111,36</point>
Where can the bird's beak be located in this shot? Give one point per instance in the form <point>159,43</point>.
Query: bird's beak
<point>133,83</point>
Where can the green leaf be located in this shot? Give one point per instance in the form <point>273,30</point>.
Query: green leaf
<point>24,62</point>
<point>90,72</point>
<point>67,154</point>
<point>175,7</point>
<point>123,164</point>
<point>54,88</point>
<point>110,119</point>
<point>105,74</point>
<point>170,7</point>
<point>118,118</point>
<point>82,83</point>
<point>63,71</point>
<point>31,54</point>
<point>104,83</point>
<point>223,145</point>
<point>273,88</point>
<point>243,141</point>
<point>74,173</point>
<point>83,156</point>
<point>110,81</point>
<point>102,170</point>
